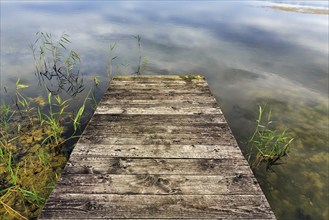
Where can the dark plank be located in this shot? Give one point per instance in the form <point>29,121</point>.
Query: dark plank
<point>100,137</point>
<point>159,85</point>
<point>79,164</point>
<point>149,120</point>
<point>148,97</point>
<point>159,129</point>
<point>162,78</point>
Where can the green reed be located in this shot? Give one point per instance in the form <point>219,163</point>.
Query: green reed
<point>78,116</point>
<point>51,55</point>
<point>109,65</point>
<point>142,60</point>
<point>270,144</point>
<point>51,119</point>
<point>6,116</point>
<point>54,61</point>
<point>20,99</point>
<point>42,156</point>
<point>33,197</point>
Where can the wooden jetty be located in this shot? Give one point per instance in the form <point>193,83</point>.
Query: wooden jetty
<point>157,147</point>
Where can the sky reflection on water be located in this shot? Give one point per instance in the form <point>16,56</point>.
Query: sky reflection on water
<point>249,52</point>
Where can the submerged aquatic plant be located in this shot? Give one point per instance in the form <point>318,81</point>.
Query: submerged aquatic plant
<point>142,60</point>
<point>30,151</point>
<point>270,144</point>
<point>124,66</point>
<point>52,121</point>
<point>52,57</point>
<point>20,99</point>
<point>6,116</point>
<point>109,65</point>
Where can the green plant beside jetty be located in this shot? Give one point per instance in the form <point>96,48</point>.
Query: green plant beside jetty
<point>142,60</point>
<point>124,67</point>
<point>267,145</point>
<point>55,62</point>
<point>33,131</point>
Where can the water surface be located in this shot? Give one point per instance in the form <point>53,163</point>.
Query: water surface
<point>250,52</point>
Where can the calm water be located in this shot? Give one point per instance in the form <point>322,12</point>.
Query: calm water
<point>250,53</point>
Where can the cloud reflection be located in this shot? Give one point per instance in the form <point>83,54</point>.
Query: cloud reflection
<point>183,37</point>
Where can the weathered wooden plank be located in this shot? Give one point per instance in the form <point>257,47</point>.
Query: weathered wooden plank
<point>149,120</point>
<point>172,78</point>
<point>128,96</point>
<point>107,109</point>
<point>158,83</point>
<point>180,136</point>
<point>162,129</point>
<point>79,164</point>
<point>100,137</point>
<point>164,102</point>
<point>158,131</point>
<point>183,90</point>
<point>159,151</point>
<point>161,82</point>
<point>173,105</point>
<point>157,206</point>
<point>228,182</point>
<point>160,89</point>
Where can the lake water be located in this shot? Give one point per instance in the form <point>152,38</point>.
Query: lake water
<point>252,53</point>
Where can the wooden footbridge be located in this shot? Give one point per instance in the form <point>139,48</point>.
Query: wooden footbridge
<point>157,147</point>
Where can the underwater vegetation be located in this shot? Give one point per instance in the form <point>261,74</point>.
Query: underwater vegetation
<point>298,188</point>
<point>30,155</point>
<point>34,131</point>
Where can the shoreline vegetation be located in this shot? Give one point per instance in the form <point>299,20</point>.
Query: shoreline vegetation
<point>301,10</point>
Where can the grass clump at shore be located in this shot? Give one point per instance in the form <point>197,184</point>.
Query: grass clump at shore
<point>267,145</point>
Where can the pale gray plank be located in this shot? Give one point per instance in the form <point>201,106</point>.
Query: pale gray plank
<point>158,110</point>
<point>159,151</point>
<point>85,206</point>
<point>227,182</point>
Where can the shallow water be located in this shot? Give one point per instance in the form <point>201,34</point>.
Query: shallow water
<point>250,52</point>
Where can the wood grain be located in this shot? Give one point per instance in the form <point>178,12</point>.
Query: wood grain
<point>241,183</point>
<point>86,206</point>
<point>82,164</point>
<point>157,147</point>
